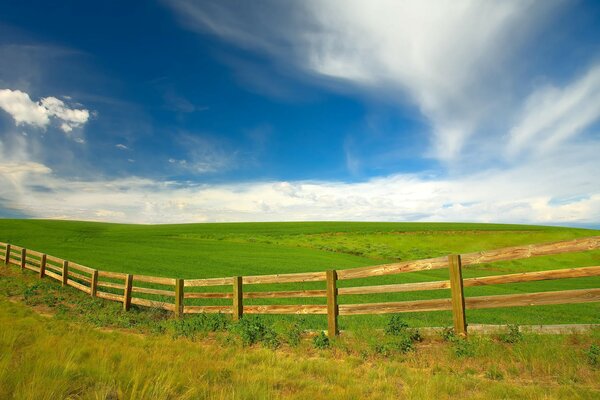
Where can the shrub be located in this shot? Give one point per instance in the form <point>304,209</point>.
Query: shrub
<point>321,341</point>
<point>293,334</point>
<point>398,344</point>
<point>190,327</point>
<point>396,326</point>
<point>463,348</point>
<point>593,355</point>
<point>253,330</point>
<point>448,334</point>
<point>513,335</point>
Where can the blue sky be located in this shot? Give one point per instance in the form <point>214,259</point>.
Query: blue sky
<point>192,111</point>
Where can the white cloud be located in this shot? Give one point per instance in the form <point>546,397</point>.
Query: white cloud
<point>25,111</point>
<point>451,59</point>
<point>552,115</point>
<point>563,188</point>
<point>121,146</point>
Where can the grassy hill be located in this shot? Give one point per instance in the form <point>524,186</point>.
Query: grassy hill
<point>216,250</point>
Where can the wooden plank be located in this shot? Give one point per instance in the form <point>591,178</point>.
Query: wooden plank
<point>534,299</point>
<point>16,248</point>
<point>285,278</point>
<point>533,276</point>
<point>208,282</point>
<point>31,267</point>
<point>178,297</point>
<point>65,272</point>
<point>160,292</point>
<point>285,294</point>
<point>57,260</point>
<point>78,276</point>
<point>54,276</point>
<point>533,250</point>
<point>43,266</point>
<point>155,279</point>
<point>458,296</point>
<point>395,268</point>
<point>111,284</point>
<point>31,260</point>
<point>53,267</point>
<point>394,288</point>
<point>94,283</point>
<point>332,304</point>
<point>207,309</point>
<point>78,285</point>
<point>287,309</point>
<point>396,307</point>
<point>127,292</point>
<point>109,296</point>
<point>115,275</point>
<point>34,253</point>
<point>238,298</point>
<point>152,304</point>
<point>206,295</point>
<point>480,281</point>
<point>81,267</point>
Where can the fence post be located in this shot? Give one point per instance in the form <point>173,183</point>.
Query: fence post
<point>43,266</point>
<point>65,272</point>
<point>332,304</point>
<point>179,297</point>
<point>7,259</point>
<point>127,292</point>
<point>94,283</point>
<point>458,296</point>
<point>23,257</point>
<point>238,298</point>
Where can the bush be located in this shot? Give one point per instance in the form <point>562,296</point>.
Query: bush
<point>190,327</point>
<point>253,330</point>
<point>321,341</point>
<point>399,344</point>
<point>448,334</point>
<point>513,335</point>
<point>396,326</point>
<point>463,348</point>
<point>293,334</point>
<point>593,355</point>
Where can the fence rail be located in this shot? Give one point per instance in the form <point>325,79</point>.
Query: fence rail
<point>172,292</point>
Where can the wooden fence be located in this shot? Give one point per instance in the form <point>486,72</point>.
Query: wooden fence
<point>137,289</point>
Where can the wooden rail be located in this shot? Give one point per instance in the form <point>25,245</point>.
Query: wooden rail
<point>170,293</point>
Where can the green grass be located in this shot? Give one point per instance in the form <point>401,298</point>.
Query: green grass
<point>50,357</point>
<point>216,250</point>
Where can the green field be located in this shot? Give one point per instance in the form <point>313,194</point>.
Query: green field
<point>218,250</point>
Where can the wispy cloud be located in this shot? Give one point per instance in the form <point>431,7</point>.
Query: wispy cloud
<point>552,115</point>
<point>444,57</point>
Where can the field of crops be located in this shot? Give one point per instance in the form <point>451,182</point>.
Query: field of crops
<point>219,250</point>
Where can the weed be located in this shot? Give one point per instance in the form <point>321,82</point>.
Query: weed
<point>253,330</point>
<point>396,326</point>
<point>593,355</point>
<point>463,348</point>
<point>397,344</point>
<point>321,341</point>
<point>448,334</point>
<point>513,335</point>
<point>293,334</point>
